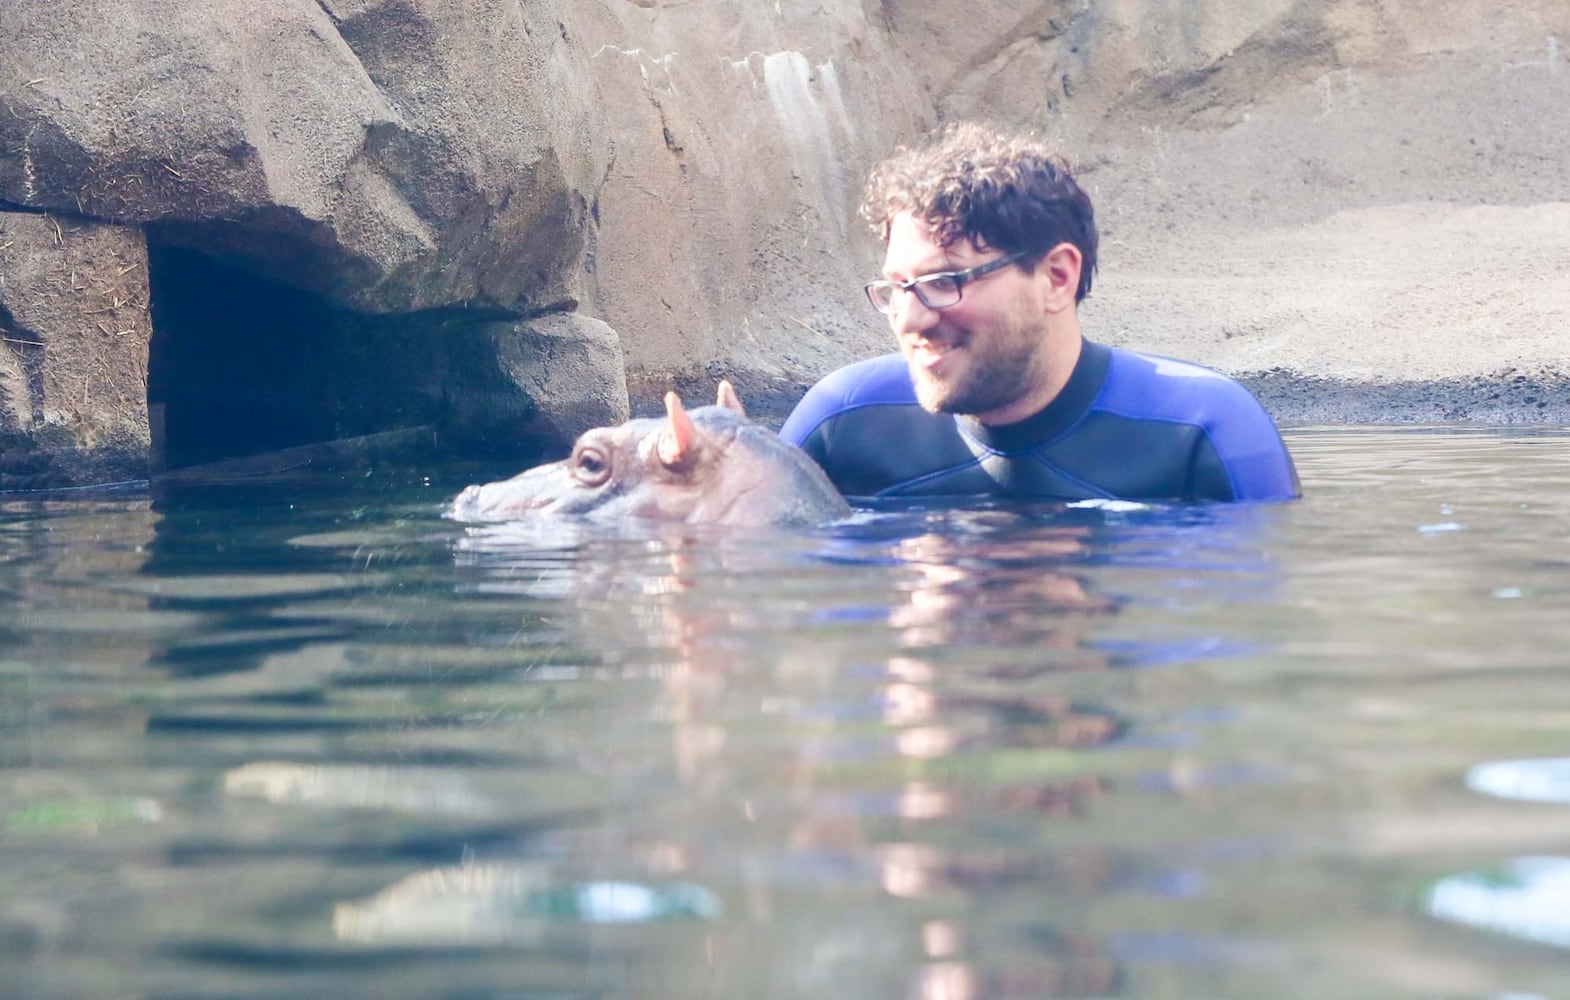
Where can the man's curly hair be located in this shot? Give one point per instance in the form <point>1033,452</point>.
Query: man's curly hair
<point>999,190</point>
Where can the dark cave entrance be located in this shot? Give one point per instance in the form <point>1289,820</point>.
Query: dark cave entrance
<point>242,366</point>
<point>236,366</point>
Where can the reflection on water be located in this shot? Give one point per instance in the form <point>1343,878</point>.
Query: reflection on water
<point>1527,898</point>
<point>401,789</point>
<point>313,739</point>
<point>508,904</point>
<point>1544,780</point>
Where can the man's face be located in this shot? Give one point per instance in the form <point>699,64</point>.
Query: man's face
<point>981,354</point>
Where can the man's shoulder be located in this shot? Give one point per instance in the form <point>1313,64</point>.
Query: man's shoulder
<point>884,379</point>
<point>1234,425</point>
<point>880,381</point>
<point>1153,387</point>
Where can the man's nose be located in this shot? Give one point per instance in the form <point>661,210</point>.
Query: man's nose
<point>911,315</point>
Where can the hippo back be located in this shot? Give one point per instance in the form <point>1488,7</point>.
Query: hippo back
<point>770,480</point>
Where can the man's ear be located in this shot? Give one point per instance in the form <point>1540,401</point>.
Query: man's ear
<point>729,399</point>
<point>1061,267</point>
<point>678,443</point>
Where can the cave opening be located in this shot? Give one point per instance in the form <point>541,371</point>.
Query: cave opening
<point>242,366</point>
<point>235,367</point>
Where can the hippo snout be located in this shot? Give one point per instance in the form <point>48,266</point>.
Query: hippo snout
<point>466,505</point>
<point>507,499</point>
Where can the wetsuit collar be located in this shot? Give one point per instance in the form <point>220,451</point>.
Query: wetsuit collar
<point>1084,384</point>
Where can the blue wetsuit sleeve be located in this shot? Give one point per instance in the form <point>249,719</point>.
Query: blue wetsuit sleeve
<point>874,382</point>
<point>1264,475</point>
<point>1243,456</point>
<point>813,409</point>
<point>1254,463</point>
<point>1250,447</point>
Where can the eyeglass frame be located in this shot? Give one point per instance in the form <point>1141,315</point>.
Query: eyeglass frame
<point>960,279</point>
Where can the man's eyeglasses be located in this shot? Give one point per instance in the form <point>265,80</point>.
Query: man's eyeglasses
<point>935,291</point>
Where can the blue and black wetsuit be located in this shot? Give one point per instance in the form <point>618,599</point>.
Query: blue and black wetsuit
<point>1126,426</point>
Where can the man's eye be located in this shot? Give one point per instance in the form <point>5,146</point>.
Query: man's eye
<point>942,284</point>
<point>590,467</point>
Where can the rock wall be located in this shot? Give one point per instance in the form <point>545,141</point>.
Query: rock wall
<point>391,155</point>
<point>395,158</point>
<point>440,175</point>
<point>73,361</point>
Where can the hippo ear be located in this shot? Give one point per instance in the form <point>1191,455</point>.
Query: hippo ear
<point>678,443</point>
<point>729,399</point>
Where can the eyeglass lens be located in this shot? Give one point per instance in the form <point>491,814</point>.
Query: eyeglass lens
<point>936,291</point>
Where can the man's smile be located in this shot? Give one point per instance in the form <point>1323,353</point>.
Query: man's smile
<point>929,352</point>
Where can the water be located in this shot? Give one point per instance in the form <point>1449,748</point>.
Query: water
<point>310,739</point>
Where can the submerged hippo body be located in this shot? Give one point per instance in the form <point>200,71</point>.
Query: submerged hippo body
<point>710,465</point>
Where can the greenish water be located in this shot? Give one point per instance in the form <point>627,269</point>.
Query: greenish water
<point>311,739</point>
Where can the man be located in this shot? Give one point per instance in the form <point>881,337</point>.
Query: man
<point>990,247</point>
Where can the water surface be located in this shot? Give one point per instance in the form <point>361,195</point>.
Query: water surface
<point>309,738</point>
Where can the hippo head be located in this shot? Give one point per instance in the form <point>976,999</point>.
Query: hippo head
<point>710,465</point>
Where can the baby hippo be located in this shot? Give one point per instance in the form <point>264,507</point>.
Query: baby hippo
<point>710,466</point>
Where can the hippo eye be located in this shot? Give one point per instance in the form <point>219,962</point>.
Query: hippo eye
<point>590,466</point>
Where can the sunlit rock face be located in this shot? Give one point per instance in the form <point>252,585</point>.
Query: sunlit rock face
<point>390,156</point>
<point>688,173</point>
<point>73,361</point>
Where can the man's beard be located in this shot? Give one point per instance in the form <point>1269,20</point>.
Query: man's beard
<point>994,379</point>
